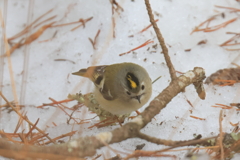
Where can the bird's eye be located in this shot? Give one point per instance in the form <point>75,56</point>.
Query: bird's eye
<point>128,93</point>
<point>143,87</point>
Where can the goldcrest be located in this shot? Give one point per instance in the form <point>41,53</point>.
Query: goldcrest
<point>119,88</point>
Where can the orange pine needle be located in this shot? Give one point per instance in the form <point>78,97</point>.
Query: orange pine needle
<point>233,9</point>
<point>37,34</point>
<point>236,124</point>
<point>142,45</point>
<point>213,28</point>
<point>29,26</point>
<point>225,82</point>
<point>237,49</point>
<point>189,103</point>
<point>93,42</point>
<point>56,102</point>
<point>106,122</point>
<point>205,22</point>
<point>83,23</point>
<point>197,117</point>
<point>232,44</point>
<point>37,137</point>
<point>222,106</point>
<point>146,28</point>
<point>8,136</point>
<point>65,24</point>
<point>63,109</point>
<point>230,40</point>
<point>40,23</point>
<point>32,128</point>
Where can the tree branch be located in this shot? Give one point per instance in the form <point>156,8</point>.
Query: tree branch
<point>161,41</point>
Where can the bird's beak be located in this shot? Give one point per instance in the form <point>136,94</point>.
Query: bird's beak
<point>76,73</point>
<point>138,98</point>
<point>81,72</point>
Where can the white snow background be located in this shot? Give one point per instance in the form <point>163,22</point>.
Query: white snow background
<point>45,77</point>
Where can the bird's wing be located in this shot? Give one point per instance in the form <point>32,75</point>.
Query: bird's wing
<point>96,75</point>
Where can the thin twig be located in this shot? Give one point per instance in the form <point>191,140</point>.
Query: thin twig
<point>161,41</point>
<point>221,135</point>
<point>188,143</point>
<point>156,79</point>
<point>113,26</point>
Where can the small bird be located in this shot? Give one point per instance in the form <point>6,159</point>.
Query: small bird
<point>119,88</point>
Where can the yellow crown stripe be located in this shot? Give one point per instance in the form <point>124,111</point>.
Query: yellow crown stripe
<point>132,83</point>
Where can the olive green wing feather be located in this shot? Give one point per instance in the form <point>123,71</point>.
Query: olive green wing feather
<point>96,75</point>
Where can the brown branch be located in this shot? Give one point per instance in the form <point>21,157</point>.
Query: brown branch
<point>161,41</point>
<point>171,91</point>
<point>175,144</point>
<point>191,142</point>
<point>73,149</point>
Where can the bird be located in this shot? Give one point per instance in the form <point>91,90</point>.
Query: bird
<point>120,88</point>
